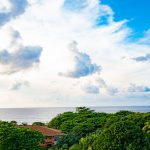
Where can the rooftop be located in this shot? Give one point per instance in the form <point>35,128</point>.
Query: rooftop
<point>44,130</point>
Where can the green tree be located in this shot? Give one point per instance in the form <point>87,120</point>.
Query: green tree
<point>60,119</point>
<point>13,122</point>
<point>91,130</point>
<point>86,142</point>
<point>122,135</point>
<point>38,123</point>
<point>13,138</point>
<point>84,110</point>
<point>68,139</point>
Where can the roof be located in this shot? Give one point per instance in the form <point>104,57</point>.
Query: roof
<point>44,130</point>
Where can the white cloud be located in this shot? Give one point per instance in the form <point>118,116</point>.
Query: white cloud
<point>83,65</point>
<point>97,85</point>
<point>23,57</point>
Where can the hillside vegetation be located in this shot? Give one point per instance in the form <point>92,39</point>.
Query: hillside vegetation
<point>89,130</point>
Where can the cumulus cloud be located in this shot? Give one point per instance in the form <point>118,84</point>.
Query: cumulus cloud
<point>83,64</point>
<point>19,84</point>
<point>98,85</point>
<point>22,57</point>
<point>11,9</point>
<point>103,85</point>
<point>138,88</point>
<point>145,58</point>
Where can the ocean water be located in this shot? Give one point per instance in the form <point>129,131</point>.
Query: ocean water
<point>30,115</point>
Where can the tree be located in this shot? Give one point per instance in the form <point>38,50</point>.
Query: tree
<point>83,110</point>
<point>60,119</point>
<point>91,130</point>
<point>13,122</point>
<point>83,129</point>
<point>122,135</point>
<point>123,113</point>
<point>68,139</point>
<point>38,123</point>
<point>86,142</point>
<point>13,138</point>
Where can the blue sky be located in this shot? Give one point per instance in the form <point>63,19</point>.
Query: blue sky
<point>137,12</point>
<point>74,53</point>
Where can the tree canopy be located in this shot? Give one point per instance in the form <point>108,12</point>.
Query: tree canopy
<point>89,130</point>
<point>13,138</point>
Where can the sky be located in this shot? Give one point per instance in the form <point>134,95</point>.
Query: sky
<point>62,53</point>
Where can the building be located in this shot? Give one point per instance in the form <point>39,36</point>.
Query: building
<point>51,134</point>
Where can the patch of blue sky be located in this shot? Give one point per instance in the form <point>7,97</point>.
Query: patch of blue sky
<point>137,12</point>
<point>74,5</point>
<point>102,20</point>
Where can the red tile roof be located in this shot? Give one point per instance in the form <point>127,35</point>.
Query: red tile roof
<point>44,130</point>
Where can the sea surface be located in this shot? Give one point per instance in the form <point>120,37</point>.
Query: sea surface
<point>30,115</point>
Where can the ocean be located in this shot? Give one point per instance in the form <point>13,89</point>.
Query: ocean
<point>30,115</point>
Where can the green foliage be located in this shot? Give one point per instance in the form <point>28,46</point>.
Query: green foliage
<point>123,113</point>
<point>59,119</point>
<point>83,129</point>
<point>75,147</point>
<point>13,138</point>
<point>89,130</point>
<point>67,126</point>
<point>68,139</point>
<point>86,142</point>
<point>77,125</point>
<point>146,128</point>
<point>38,123</point>
<point>121,135</point>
